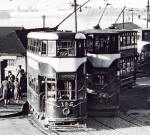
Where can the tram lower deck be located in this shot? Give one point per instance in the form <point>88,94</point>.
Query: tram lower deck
<point>103,92</point>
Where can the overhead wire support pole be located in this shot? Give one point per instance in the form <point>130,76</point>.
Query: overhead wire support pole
<point>75,10</point>
<point>55,28</point>
<point>147,12</point>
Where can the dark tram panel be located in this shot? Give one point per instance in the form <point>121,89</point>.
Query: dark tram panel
<point>103,85</point>
<point>129,56</point>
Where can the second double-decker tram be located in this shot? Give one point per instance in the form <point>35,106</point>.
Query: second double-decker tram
<point>129,56</point>
<point>103,54</point>
<point>56,77</point>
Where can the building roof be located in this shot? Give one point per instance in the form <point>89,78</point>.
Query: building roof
<point>7,30</point>
<point>11,44</point>
<point>127,25</point>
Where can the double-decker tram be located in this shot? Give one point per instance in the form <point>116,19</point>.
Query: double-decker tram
<point>103,84</point>
<point>128,60</point>
<point>143,48</point>
<point>56,88</point>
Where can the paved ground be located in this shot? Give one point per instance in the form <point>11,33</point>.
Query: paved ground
<point>133,118</point>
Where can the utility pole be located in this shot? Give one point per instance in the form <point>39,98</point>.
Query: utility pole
<point>147,12</point>
<point>132,14</point>
<point>75,11</point>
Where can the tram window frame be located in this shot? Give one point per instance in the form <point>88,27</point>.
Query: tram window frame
<point>124,41</point>
<point>51,90</point>
<point>90,44</point>
<point>132,39</point>
<point>102,44</point>
<point>44,52</point>
<point>51,48</point>
<point>80,48</point>
<point>135,38</point>
<point>33,45</point>
<point>62,94</point>
<point>128,39</point>
<point>69,49</point>
<point>113,40</point>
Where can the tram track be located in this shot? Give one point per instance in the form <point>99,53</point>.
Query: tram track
<point>108,126</point>
<point>134,121</point>
<point>37,125</point>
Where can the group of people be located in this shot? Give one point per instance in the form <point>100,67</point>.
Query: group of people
<point>12,86</point>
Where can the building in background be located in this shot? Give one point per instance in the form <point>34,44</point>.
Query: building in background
<point>12,51</point>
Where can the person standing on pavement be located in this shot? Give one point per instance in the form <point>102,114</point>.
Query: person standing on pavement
<point>20,75</point>
<point>6,90</point>
<point>16,90</point>
<point>11,79</point>
<point>20,72</point>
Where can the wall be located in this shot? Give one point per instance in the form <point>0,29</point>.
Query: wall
<point>13,68</point>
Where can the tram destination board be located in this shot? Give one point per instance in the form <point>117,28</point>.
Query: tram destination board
<point>66,76</point>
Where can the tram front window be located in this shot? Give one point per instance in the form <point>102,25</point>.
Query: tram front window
<point>65,48</point>
<point>66,90</point>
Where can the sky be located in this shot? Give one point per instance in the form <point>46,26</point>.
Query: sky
<point>11,4</point>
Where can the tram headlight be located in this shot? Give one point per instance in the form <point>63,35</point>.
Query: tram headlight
<point>66,111</point>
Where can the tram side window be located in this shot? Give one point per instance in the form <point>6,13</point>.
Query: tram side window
<point>51,48</point>
<point>128,40</point>
<point>51,91</point>
<point>44,48</point>
<point>33,45</point>
<point>114,44</point>
<point>80,48</point>
<point>124,41</point>
<point>132,39</point>
<point>135,38</point>
<point>90,45</point>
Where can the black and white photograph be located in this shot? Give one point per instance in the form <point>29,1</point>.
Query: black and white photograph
<point>74,67</point>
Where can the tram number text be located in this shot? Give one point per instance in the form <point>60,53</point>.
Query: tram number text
<point>65,104</point>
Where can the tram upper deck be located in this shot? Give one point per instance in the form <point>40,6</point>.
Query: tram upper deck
<point>57,44</point>
<point>105,41</point>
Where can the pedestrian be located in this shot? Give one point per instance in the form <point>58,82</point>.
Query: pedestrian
<point>11,79</point>
<point>6,90</point>
<point>16,90</point>
<point>20,75</point>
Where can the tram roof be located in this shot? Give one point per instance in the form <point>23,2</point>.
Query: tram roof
<point>125,30</point>
<point>100,31</point>
<point>55,35</point>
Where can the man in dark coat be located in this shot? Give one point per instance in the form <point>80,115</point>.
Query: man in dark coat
<point>11,79</point>
<point>6,90</point>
